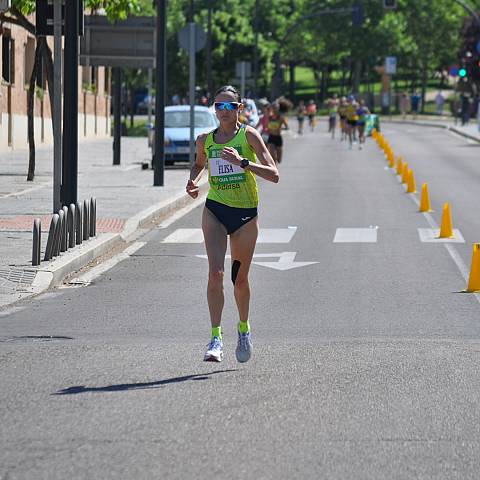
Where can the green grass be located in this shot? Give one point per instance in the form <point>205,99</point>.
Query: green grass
<point>139,128</point>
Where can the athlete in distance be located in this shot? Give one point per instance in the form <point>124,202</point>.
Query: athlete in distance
<point>234,155</point>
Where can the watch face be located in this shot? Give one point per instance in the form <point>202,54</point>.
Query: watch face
<point>245,163</point>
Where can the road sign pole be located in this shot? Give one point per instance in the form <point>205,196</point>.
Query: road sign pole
<point>159,156</point>
<point>57,105</point>
<point>192,36</point>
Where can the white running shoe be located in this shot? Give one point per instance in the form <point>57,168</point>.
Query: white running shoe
<point>244,347</point>
<point>214,351</point>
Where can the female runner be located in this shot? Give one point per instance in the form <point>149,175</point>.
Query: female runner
<point>234,154</point>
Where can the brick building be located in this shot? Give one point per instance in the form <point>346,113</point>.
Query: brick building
<point>17,59</point>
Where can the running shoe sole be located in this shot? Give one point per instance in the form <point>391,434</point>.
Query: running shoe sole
<point>213,358</point>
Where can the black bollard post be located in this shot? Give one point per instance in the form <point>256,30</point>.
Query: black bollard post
<point>79,224</point>
<point>51,238</point>
<point>37,242</point>
<point>93,217</point>
<point>64,245</point>
<point>86,219</point>
<point>71,226</point>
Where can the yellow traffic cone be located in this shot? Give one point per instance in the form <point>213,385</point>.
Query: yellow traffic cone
<point>411,187</point>
<point>446,229</point>
<point>425,200</point>
<point>391,160</point>
<point>399,166</point>
<point>405,173</point>
<point>474,279</point>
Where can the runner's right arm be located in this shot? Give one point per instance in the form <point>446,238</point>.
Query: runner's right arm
<point>198,167</point>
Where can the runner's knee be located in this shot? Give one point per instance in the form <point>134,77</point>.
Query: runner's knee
<point>215,276</point>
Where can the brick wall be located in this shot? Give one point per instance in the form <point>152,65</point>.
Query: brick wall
<point>93,96</point>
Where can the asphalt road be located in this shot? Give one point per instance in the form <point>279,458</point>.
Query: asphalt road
<point>365,364</point>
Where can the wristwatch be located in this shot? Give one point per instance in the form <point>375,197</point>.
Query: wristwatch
<point>244,163</point>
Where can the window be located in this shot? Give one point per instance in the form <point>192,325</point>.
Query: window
<point>29,60</point>
<point>8,58</point>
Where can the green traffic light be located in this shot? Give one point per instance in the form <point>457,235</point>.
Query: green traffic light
<point>462,72</point>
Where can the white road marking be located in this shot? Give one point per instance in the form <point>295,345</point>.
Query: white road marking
<point>356,235</point>
<point>95,272</point>
<point>266,235</point>
<point>430,235</point>
<point>286,260</point>
<point>27,190</point>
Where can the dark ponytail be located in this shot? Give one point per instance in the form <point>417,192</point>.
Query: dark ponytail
<point>231,89</point>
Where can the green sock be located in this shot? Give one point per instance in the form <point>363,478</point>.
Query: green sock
<point>217,332</point>
<point>243,327</point>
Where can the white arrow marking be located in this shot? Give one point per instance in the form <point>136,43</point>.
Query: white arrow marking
<point>286,260</point>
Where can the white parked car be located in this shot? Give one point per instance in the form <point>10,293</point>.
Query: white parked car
<point>177,130</point>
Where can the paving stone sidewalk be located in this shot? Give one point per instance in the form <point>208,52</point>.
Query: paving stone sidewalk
<point>121,193</point>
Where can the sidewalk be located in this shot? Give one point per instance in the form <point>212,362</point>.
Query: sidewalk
<point>469,131</point>
<point>126,200</point>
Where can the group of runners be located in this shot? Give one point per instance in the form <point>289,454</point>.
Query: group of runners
<point>352,115</point>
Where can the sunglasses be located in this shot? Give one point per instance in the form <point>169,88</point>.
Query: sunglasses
<point>230,106</point>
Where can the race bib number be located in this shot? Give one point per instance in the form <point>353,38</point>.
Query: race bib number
<point>225,173</point>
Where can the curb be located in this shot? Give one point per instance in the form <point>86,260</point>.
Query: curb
<point>435,125</point>
<point>55,271</point>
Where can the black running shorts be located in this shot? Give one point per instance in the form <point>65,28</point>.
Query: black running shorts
<point>231,218</point>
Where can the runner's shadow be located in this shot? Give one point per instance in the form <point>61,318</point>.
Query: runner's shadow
<point>138,386</point>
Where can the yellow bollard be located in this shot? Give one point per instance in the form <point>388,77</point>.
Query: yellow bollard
<point>411,187</point>
<point>399,166</point>
<point>405,173</point>
<point>425,200</point>
<point>474,279</point>
<point>446,229</point>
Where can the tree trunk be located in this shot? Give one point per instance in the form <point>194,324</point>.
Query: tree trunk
<point>30,114</point>
<point>48,64</point>
<point>424,82</point>
<point>356,74</point>
<point>132,105</point>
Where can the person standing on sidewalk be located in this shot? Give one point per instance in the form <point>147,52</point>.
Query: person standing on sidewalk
<point>439,102</point>
<point>404,104</point>
<point>234,155</point>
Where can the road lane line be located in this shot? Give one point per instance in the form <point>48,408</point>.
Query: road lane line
<point>356,235</point>
<point>265,235</point>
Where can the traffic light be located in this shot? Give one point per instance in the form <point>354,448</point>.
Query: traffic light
<point>462,72</point>
<point>389,3</point>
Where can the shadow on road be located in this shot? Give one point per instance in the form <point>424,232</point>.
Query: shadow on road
<point>138,386</point>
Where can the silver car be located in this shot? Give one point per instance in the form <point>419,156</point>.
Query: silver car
<point>177,130</point>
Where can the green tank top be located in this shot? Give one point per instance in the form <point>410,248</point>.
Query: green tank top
<point>230,184</point>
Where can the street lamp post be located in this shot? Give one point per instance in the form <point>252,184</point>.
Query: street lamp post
<point>70,106</point>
